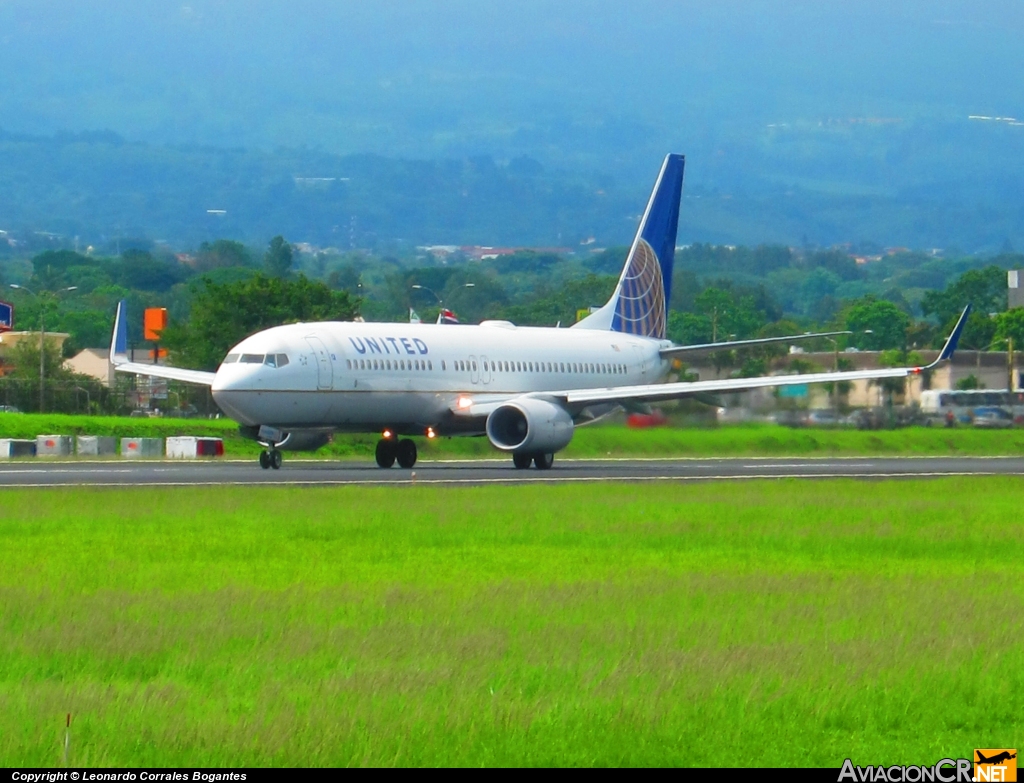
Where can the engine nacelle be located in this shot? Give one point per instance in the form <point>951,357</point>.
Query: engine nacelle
<point>294,440</point>
<point>530,425</point>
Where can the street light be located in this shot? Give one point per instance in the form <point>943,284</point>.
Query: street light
<point>429,291</point>
<point>42,336</point>
<point>835,368</point>
<point>440,302</point>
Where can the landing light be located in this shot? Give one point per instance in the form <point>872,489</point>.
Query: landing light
<point>387,434</point>
<point>431,433</point>
<point>465,402</point>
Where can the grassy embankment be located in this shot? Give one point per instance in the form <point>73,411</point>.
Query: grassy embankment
<point>762,623</point>
<point>596,441</point>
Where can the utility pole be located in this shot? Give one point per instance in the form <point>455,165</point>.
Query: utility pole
<point>1009,365</point>
<point>42,338</point>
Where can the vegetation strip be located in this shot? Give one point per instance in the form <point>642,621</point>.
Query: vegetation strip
<point>801,621</point>
<point>609,440</point>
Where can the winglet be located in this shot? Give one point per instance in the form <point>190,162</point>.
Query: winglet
<point>119,337</point>
<point>954,338</point>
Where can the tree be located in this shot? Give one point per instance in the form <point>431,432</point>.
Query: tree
<point>730,312</point>
<point>277,261</point>
<point>984,288</point>
<point>689,328</point>
<point>139,270</point>
<point>21,379</point>
<point>885,323</point>
<point>224,314</point>
<point>968,384</point>
<point>1011,325</point>
<point>896,358</point>
<point>978,334</point>
<point>220,254</point>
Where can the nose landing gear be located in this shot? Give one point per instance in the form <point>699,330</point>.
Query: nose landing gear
<point>271,459</point>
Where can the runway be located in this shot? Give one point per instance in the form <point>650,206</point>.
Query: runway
<point>297,472</point>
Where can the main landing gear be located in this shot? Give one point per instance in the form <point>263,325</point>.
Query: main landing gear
<point>390,450</point>
<point>271,459</point>
<point>542,461</point>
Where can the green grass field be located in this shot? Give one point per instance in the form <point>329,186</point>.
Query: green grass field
<point>603,440</point>
<point>759,623</point>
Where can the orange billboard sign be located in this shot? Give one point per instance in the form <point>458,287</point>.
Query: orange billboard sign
<point>155,322</point>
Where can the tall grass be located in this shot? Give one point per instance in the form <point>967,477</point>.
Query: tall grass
<point>764,623</point>
<point>610,440</point>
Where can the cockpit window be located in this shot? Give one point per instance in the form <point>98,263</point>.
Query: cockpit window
<point>251,358</point>
<point>231,358</point>
<point>276,360</point>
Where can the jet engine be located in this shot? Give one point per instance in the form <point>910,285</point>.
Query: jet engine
<point>530,425</point>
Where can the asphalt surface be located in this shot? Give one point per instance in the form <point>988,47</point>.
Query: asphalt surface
<point>40,473</point>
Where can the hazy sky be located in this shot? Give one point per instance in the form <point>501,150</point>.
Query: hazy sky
<point>863,98</point>
<point>422,77</point>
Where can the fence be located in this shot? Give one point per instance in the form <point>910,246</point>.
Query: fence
<point>92,397</point>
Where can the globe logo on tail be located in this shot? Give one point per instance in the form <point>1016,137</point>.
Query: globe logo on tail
<point>640,308</point>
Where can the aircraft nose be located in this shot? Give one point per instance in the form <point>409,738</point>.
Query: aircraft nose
<point>235,377</point>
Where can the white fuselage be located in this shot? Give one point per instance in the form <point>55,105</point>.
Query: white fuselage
<point>371,376</point>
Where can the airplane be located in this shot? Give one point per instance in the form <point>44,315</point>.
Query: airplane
<point>525,388</point>
<point>996,759</point>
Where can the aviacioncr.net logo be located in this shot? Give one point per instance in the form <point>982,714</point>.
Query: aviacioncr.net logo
<point>943,771</point>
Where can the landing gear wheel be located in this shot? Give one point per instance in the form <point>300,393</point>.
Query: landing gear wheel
<point>276,459</point>
<point>521,461</point>
<point>264,460</point>
<point>406,453</point>
<point>386,453</point>
<point>543,461</point>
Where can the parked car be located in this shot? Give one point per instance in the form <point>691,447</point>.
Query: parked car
<point>9,409</point>
<point>826,418</point>
<point>992,418</point>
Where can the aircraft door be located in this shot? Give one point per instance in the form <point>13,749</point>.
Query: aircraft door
<point>474,372</point>
<point>324,367</point>
<point>638,354</point>
<point>485,371</point>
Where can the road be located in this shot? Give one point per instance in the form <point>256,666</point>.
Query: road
<point>41,473</point>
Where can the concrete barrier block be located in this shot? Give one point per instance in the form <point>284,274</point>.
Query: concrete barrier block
<point>189,447</point>
<point>96,446</point>
<point>13,447</point>
<point>142,447</point>
<point>53,446</point>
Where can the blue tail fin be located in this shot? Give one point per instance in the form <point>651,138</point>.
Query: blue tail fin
<point>119,336</point>
<point>640,302</point>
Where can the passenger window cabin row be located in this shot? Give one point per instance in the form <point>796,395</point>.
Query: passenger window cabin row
<point>459,365</point>
<point>417,365</point>
<point>468,365</point>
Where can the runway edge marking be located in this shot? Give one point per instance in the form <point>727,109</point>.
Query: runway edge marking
<point>510,480</point>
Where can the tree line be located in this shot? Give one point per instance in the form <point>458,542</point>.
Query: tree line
<point>225,290</point>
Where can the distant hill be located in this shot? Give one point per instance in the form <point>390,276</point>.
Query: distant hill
<point>102,189</point>
<point>899,122</point>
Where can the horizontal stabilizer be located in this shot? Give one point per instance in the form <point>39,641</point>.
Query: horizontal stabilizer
<point>676,350</point>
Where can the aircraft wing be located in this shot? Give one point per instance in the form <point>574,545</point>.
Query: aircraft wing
<point>665,391</point>
<point>676,350</point>
<point>578,399</point>
<point>119,357</point>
